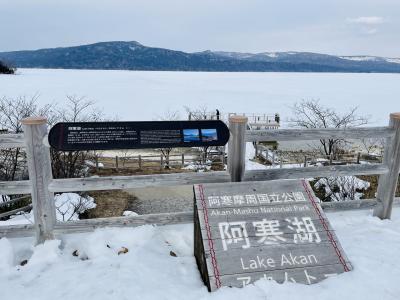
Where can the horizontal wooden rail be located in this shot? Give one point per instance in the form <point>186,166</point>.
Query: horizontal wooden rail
<point>129,182</point>
<point>311,172</point>
<point>14,211</point>
<point>17,231</point>
<point>12,141</point>
<point>15,187</point>
<point>134,221</point>
<point>349,205</point>
<point>15,200</point>
<point>317,134</point>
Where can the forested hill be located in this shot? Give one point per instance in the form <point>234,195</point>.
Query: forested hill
<point>134,56</point>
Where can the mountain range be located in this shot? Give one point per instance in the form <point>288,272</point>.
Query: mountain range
<point>121,55</point>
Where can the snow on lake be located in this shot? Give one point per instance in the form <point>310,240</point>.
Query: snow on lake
<point>141,95</point>
<point>148,271</point>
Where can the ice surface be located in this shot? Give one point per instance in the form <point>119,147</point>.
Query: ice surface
<point>140,95</point>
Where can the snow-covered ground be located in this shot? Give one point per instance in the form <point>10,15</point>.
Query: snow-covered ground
<point>139,95</point>
<point>251,164</point>
<point>343,188</point>
<point>148,271</point>
<point>68,207</point>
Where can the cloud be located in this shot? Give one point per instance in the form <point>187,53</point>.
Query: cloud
<point>367,25</point>
<point>371,31</point>
<point>366,20</point>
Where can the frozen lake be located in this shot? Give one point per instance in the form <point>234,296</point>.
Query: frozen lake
<point>141,95</point>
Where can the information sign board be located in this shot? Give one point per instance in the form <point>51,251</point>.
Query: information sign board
<point>137,135</point>
<point>274,230</point>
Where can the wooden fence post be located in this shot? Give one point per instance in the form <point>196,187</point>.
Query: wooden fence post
<point>222,157</point>
<point>116,162</point>
<point>237,147</point>
<point>183,160</point>
<point>388,182</point>
<point>140,162</point>
<point>161,161</point>
<point>40,175</point>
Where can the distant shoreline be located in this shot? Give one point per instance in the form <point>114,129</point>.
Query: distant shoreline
<point>122,55</point>
<point>188,71</point>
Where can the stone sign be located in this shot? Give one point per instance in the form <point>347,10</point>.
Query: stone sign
<point>137,135</point>
<point>275,230</point>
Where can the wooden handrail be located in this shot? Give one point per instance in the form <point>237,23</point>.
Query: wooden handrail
<point>17,231</point>
<point>12,140</point>
<point>42,186</point>
<point>318,133</point>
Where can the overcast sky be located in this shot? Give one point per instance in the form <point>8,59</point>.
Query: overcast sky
<point>344,27</point>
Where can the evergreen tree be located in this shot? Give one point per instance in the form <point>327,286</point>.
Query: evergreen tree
<point>4,69</point>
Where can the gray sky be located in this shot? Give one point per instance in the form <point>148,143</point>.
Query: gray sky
<point>344,27</point>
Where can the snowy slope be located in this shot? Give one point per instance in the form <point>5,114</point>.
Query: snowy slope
<point>148,271</point>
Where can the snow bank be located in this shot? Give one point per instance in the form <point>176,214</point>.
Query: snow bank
<point>6,255</point>
<point>250,164</point>
<point>342,188</point>
<point>70,205</point>
<point>68,208</point>
<point>129,213</point>
<point>92,164</point>
<point>44,255</point>
<point>148,269</point>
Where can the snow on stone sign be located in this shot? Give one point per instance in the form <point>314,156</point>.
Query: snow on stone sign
<point>274,230</point>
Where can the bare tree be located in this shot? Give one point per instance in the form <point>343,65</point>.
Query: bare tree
<point>67,164</point>
<point>311,114</point>
<point>12,111</point>
<point>372,144</point>
<point>168,116</point>
<point>199,113</point>
<point>64,164</point>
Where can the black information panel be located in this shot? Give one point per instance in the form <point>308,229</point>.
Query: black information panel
<point>137,135</point>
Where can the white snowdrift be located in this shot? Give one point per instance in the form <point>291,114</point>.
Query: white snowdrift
<point>343,187</point>
<point>148,271</point>
<point>68,208</point>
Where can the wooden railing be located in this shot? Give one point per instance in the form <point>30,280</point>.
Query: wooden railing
<point>42,186</point>
<point>141,162</point>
